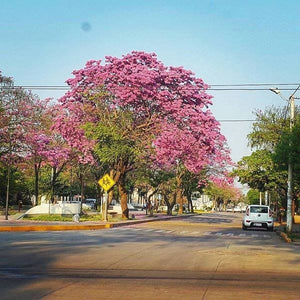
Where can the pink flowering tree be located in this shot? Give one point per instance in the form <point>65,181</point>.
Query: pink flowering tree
<point>223,192</point>
<point>16,120</point>
<point>38,140</point>
<point>167,107</point>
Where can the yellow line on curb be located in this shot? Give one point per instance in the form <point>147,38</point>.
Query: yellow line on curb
<point>54,227</point>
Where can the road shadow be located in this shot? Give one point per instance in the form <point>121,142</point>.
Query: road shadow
<point>40,251</point>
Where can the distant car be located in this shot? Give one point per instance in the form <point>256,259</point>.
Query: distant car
<point>237,209</point>
<point>258,216</point>
<point>229,209</point>
<point>163,208</point>
<point>89,204</point>
<point>117,208</point>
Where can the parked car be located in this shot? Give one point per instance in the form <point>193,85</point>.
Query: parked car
<point>229,209</point>
<point>89,204</point>
<point>258,216</point>
<point>117,208</point>
<point>237,209</point>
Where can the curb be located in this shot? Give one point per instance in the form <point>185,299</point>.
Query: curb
<point>53,227</point>
<point>23,228</point>
<point>284,236</point>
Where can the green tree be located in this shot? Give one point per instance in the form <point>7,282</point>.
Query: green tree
<point>268,128</point>
<point>289,147</point>
<point>119,145</point>
<point>260,170</point>
<point>223,194</point>
<point>253,196</point>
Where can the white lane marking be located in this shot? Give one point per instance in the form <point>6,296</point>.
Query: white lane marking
<point>148,230</point>
<point>219,233</point>
<point>183,232</point>
<point>254,235</point>
<point>159,231</point>
<point>170,231</point>
<point>229,234</point>
<point>242,234</point>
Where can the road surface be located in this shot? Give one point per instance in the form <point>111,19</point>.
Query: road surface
<point>200,257</point>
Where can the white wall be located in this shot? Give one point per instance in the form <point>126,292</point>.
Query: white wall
<point>58,209</point>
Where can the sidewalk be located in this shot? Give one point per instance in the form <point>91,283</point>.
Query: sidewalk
<point>293,238</point>
<point>281,227</point>
<point>29,225</point>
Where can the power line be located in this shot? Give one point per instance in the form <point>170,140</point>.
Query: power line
<point>256,84</point>
<point>234,84</point>
<point>213,87</point>
<point>209,89</point>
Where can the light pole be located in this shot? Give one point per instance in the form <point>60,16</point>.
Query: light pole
<point>289,217</point>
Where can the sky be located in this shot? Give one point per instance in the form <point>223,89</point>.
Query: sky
<point>222,42</point>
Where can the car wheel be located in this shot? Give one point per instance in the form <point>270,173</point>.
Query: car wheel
<point>244,227</point>
<point>271,228</point>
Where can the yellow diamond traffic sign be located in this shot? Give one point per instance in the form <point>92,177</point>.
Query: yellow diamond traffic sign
<point>106,182</point>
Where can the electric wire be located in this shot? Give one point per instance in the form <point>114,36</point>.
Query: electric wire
<point>223,87</point>
<point>212,87</point>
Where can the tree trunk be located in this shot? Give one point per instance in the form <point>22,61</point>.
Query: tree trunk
<point>7,193</point>
<point>99,196</point>
<point>150,203</point>
<point>169,211</point>
<point>293,209</point>
<point>123,196</point>
<point>81,190</point>
<point>36,183</point>
<point>53,180</point>
<point>191,208</point>
<point>54,175</point>
<point>179,198</point>
<point>170,205</point>
<point>115,175</point>
<point>110,196</point>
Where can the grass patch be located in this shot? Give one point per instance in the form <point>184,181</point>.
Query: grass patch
<point>62,218</point>
<point>85,218</point>
<point>294,236</point>
<point>48,218</point>
<point>12,210</point>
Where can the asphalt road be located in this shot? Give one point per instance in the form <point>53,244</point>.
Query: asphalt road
<point>200,257</point>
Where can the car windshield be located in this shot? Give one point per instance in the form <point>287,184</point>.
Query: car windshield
<point>259,209</point>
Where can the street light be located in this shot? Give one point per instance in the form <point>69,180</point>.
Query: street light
<point>291,100</point>
<point>275,90</point>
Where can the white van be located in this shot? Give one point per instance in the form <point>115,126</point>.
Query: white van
<point>259,216</point>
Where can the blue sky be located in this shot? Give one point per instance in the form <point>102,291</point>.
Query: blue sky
<point>223,42</point>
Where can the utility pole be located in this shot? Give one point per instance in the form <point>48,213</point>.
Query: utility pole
<point>260,198</point>
<point>289,217</point>
<point>266,198</point>
<point>289,213</point>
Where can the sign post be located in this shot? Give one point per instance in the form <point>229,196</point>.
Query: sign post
<point>106,182</point>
